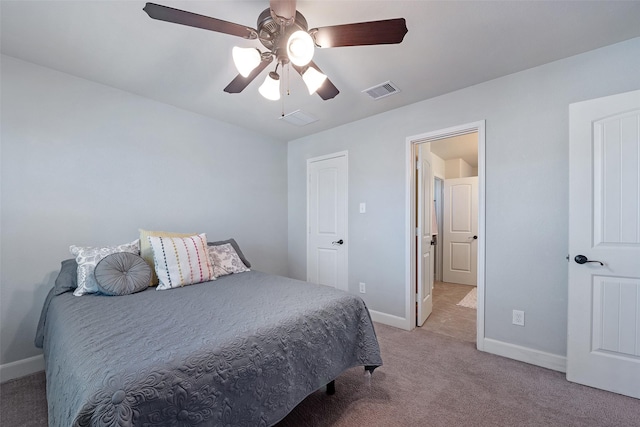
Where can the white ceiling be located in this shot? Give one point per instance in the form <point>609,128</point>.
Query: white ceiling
<point>463,147</point>
<point>450,45</point>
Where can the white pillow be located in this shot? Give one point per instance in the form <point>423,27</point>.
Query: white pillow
<point>225,260</point>
<point>88,257</point>
<point>181,261</point>
<point>146,251</point>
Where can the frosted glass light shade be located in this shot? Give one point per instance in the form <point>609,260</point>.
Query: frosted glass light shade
<point>300,48</point>
<point>313,79</point>
<point>246,59</point>
<point>270,89</point>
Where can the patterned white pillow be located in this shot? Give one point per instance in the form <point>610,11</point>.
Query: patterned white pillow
<point>225,260</point>
<point>181,261</point>
<point>146,251</point>
<point>88,257</point>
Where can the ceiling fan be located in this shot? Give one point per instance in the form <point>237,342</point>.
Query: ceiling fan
<point>284,32</point>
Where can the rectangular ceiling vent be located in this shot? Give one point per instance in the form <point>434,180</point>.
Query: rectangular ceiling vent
<point>382,90</point>
<point>298,118</point>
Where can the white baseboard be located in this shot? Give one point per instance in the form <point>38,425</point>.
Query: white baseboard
<point>20,368</point>
<point>389,319</point>
<point>525,354</point>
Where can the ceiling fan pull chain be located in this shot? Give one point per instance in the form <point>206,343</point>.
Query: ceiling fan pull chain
<point>282,97</point>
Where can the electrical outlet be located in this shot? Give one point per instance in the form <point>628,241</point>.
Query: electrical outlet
<point>518,317</point>
<point>363,207</point>
<point>362,288</point>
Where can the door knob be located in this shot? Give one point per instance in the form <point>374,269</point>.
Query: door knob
<point>581,259</point>
<point>338,242</point>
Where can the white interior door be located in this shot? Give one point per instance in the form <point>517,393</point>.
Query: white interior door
<point>424,234</point>
<point>603,344</point>
<point>327,245</point>
<point>460,234</point>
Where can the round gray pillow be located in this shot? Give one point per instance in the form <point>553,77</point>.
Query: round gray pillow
<point>122,273</point>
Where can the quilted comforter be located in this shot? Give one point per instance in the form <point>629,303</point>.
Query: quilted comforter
<point>243,350</point>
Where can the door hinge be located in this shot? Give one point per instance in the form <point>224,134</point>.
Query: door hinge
<point>417,231</point>
<point>417,164</point>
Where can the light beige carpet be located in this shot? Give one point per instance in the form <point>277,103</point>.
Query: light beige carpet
<point>428,380</point>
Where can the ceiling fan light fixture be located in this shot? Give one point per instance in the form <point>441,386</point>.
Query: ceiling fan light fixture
<point>313,79</point>
<point>246,59</point>
<point>300,48</point>
<point>270,89</point>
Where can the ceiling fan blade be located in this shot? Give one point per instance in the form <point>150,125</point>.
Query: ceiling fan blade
<point>388,31</point>
<point>238,84</point>
<point>177,16</point>
<point>328,90</point>
<point>284,10</point>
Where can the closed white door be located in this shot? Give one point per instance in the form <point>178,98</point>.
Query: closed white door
<point>424,234</point>
<point>327,220</point>
<point>460,240</point>
<point>603,340</point>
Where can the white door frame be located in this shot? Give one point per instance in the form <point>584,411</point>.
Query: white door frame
<point>410,250</point>
<point>439,213</point>
<point>344,154</point>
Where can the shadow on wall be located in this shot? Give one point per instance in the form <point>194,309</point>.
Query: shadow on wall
<point>26,330</point>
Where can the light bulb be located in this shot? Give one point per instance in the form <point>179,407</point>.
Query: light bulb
<point>300,48</point>
<point>270,89</point>
<point>313,79</point>
<point>246,59</point>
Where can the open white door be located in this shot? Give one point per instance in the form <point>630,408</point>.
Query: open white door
<point>603,339</point>
<point>460,234</point>
<point>424,234</point>
<point>327,220</point>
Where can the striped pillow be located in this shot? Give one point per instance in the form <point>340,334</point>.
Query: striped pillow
<point>147,253</point>
<point>181,261</point>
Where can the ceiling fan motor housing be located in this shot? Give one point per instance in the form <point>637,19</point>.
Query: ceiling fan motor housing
<point>274,37</point>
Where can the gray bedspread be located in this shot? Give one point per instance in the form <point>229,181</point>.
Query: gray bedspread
<point>243,350</point>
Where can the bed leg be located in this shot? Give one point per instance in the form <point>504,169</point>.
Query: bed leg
<point>331,388</point>
<point>368,370</point>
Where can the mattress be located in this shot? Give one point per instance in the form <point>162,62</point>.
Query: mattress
<point>244,349</point>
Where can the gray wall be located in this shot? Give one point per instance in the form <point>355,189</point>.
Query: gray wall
<point>87,164</point>
<point>526,189</point>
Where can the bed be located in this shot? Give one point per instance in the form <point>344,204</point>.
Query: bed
<point>244,349</point>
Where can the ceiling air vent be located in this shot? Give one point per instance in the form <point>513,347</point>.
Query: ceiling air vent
<point>299,118</point>
<point>380,91</point>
